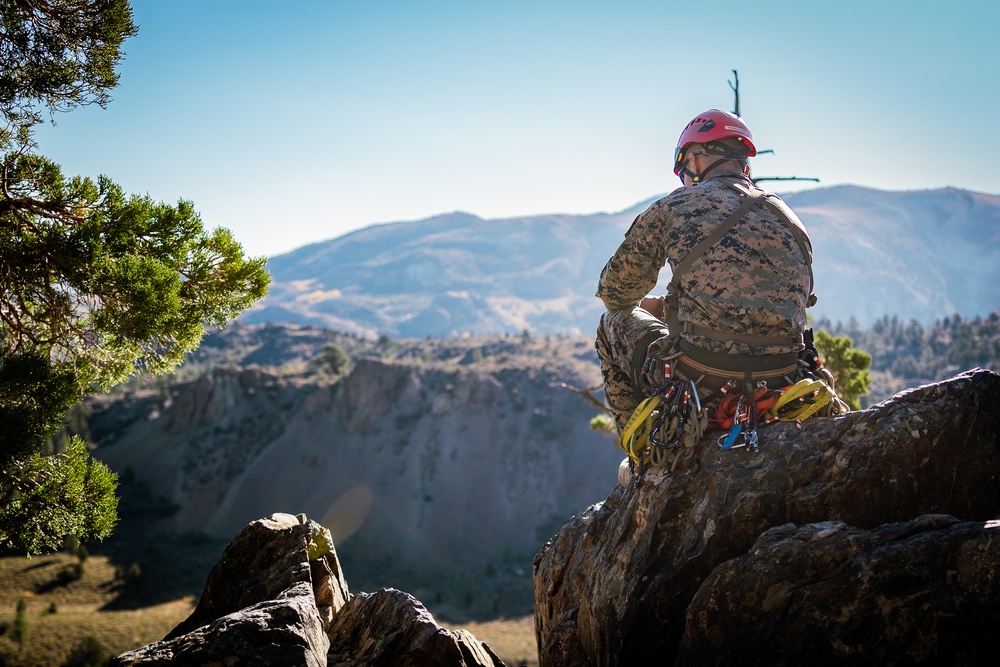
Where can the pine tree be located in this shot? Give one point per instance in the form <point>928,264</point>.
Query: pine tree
<point>95,284</point>
<point>848,364</point>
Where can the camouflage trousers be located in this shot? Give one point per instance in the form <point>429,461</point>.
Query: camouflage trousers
<point>622,339</point>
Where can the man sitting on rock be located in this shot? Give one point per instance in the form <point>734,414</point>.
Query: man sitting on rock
<point>741,262</point>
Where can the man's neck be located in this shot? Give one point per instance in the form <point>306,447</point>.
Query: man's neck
<point>726,172</point>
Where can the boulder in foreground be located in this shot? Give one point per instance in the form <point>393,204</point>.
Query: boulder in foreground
<point>277,597</point>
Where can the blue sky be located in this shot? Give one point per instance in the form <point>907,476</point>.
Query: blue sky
<point>291,123</point>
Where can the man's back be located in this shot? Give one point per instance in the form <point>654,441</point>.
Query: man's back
<point>755,280</point>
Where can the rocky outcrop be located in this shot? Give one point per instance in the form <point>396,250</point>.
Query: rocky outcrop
<point>615,585</point>
<point>265,559</point>
<point>278,597</point>
<point>391,627</point>
<point>921,591</point>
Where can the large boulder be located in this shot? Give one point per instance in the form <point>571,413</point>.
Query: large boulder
<point>614,585</point>
<point>278,597</point>
<point>267,601</point>
<point>921,591</point>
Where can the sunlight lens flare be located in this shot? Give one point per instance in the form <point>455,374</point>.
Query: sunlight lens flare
<point>348,513</point>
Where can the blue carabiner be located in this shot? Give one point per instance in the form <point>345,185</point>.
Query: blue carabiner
<point>726,441</point>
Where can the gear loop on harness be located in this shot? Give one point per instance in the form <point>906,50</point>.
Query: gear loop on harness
<point>664,430</point>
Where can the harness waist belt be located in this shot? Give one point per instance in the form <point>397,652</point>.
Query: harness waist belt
<point>752,339</point>
<point>737,365</point>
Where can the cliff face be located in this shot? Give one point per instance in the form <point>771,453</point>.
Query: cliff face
<point>829,546</point>
<point>457,463</point>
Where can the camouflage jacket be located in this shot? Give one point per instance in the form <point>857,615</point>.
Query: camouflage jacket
<point>753,281</point>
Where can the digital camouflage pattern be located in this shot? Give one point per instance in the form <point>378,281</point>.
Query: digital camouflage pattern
<point>617,336</point>
<point>755,280</point>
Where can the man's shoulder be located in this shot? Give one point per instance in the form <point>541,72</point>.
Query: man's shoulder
<point>703,198</point>
<point>696,200</point>
<point>678,197</point>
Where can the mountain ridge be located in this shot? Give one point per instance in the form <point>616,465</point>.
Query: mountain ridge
<point>920,254</point>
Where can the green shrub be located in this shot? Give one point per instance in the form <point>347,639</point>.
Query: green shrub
<point>848,364</point>
<point>67,574</point>
<point>19,630</point>
<point>333,360</point>
<point>88,652</point>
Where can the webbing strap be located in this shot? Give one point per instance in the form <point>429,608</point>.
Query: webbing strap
<point>801,237</point>
<point>732,365</point>
<point>674,287</point>
<point>752,339</point>
<point>696,252</point>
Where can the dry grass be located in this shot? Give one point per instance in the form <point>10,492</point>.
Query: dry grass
<point>511,639</point>
<point>60,616</point>
<point>79,611</point>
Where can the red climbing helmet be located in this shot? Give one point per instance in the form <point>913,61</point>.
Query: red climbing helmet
<point>712,125</point>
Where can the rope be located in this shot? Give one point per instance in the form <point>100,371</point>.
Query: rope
<point>664,429</point>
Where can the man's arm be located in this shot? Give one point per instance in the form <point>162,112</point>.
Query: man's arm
<point>632,271</point>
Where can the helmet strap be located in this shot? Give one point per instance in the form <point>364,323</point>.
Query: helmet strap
<point>711,167</point>
<point>710,149</point>
<point>699,177</point>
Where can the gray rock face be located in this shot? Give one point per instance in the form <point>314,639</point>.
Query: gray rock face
<point>278,597</point>
<point>614,586</point>
<point>390,627</point>
<point>285,631</point>
<point>922,591</point>
<point>459,464</point>
<point>264,602</point>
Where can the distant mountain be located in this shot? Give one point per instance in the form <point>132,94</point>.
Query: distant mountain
<point>919,255</point>
<point>922,255</point>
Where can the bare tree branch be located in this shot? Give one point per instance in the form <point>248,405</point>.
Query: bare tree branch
<point>586,393</point>
<point>736,92</point>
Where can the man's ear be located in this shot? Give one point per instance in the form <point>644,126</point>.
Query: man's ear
<point>746,170</point>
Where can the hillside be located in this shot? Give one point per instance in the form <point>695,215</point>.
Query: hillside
<point>441,467</point>
<point>921,255</point>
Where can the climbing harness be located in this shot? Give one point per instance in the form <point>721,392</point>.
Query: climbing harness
<point>667,425</point>
<point>664,430</point>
